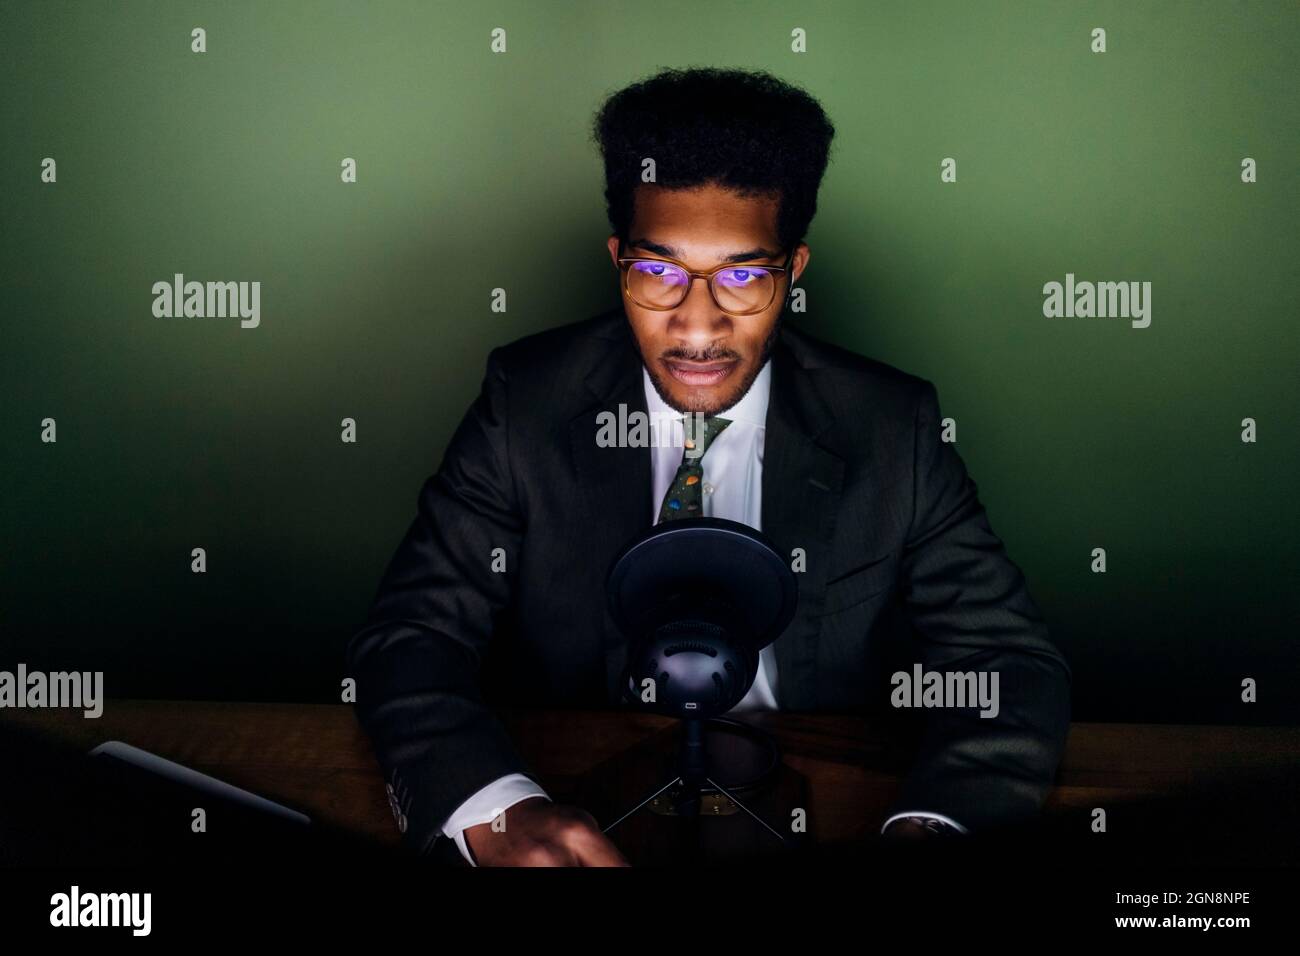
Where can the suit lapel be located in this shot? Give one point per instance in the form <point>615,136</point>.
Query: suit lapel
<point>615,482</point>
<point>802,481</point>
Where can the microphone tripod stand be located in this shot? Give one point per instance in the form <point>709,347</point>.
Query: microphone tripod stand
<point>692,773</point>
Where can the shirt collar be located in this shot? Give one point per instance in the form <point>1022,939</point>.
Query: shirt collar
<point>751,409</point>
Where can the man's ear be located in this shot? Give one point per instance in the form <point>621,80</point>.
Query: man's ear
<point>613,244</point>
<point>801,256</point>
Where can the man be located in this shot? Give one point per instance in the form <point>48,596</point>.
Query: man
<point>502,571</point>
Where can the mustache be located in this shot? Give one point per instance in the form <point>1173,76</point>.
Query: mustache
<point>718,354</point>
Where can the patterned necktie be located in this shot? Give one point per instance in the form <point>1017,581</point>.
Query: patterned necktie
<point>684,498</point>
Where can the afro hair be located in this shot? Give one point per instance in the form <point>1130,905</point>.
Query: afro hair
<point>744,130</point>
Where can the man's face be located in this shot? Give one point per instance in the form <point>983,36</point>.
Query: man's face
<point>700,358</point>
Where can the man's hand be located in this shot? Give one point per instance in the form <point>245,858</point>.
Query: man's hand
<point>908,830</point>
<point>911,828</point>
<point>541,833</point>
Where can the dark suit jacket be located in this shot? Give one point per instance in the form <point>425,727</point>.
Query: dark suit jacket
<point>900,558</point>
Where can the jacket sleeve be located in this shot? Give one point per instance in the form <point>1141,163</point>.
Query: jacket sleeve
<point>971,610</point>
<point>416,659</point>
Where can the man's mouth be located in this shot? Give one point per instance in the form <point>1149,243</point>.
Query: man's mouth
<point>700,373</point>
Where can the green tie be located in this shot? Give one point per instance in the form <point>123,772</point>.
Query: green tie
<point>684,498</point>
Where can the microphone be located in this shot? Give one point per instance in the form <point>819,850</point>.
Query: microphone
<point>698,599</point>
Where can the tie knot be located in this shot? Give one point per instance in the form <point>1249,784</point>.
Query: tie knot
<point>700,432</point>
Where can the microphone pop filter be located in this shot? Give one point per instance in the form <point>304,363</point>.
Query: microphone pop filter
<point>691,559</point>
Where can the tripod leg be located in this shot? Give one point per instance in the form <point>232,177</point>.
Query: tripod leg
<point>670,783</point>
<point>733,799</point>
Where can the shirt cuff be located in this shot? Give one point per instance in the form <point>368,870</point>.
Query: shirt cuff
<point>487,804</point>
<point>928,815</point>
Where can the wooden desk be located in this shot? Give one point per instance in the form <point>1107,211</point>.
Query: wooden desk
<point>316,758</point>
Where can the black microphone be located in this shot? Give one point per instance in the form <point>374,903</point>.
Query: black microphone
<point>698,599</point>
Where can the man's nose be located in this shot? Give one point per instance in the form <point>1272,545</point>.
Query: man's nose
<point>698,321</point>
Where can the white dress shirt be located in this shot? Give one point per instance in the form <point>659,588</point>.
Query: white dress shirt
<point>733,489</point>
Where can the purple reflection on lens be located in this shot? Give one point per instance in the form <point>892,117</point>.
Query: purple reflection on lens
<point>666,273</point>
<point>740,278</point>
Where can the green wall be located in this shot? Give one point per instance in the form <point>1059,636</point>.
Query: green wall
<point>475,171</point>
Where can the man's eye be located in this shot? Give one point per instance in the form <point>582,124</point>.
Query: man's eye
<point>660,270</point>
<point>739,277</point>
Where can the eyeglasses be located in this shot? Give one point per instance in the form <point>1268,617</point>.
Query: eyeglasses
<point>662,284</point>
